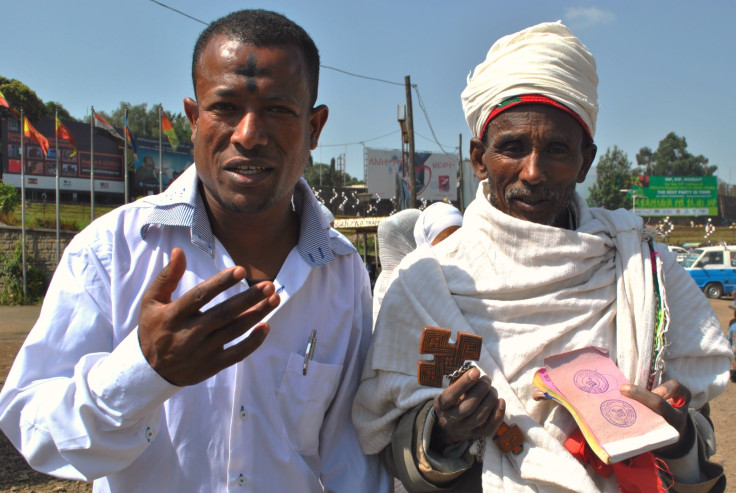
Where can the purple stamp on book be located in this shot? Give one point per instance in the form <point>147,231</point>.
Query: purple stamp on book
<point>618,413</point>
<point>590,381</point>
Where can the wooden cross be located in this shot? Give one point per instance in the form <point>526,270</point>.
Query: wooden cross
<point>447,358</point>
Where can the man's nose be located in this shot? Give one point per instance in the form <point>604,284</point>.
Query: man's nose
<point>250,131</point>
<point>532,171</point>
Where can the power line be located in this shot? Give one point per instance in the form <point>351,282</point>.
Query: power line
<point>180,12</point>
<point>415,86</point>
<point>359,142</point>
<point>362,76</point>
<point>426,115</point>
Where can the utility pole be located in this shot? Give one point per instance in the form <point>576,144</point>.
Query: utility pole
<point>461,187</point>
<point>410,131</point>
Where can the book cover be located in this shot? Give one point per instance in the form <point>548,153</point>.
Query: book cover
<point>586,382</point>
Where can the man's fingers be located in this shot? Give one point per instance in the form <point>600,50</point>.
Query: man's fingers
<point>661,400</point>
<point>489,426</point>
<point>451,395</point>
<point>168,279</point>
<point>235,326</point>
<point>241,350</point>
<point>252,304</point>
<point>201,294</point>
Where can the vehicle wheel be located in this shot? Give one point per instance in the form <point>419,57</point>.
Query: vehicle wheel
<point>713,290</point>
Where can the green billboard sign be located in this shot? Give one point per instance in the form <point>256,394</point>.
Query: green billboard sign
<point>676,196</point>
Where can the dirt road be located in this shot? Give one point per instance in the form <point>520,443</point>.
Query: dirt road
<point>17,476</point>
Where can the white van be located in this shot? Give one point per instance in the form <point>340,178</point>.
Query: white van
<point>713,269</point>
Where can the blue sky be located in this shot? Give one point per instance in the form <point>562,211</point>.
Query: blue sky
<point>663,65</point>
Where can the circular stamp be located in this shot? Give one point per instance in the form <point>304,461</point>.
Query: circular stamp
<point>590,381</point>
<point>618,413</point>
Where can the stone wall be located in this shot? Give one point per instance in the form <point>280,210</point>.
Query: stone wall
<point>40,245</point>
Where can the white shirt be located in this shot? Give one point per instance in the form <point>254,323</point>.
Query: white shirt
<point>82,402</point>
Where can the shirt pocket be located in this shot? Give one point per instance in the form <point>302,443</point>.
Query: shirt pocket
<point>304,399</point>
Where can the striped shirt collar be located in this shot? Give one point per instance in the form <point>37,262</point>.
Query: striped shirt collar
<point>182,205</point>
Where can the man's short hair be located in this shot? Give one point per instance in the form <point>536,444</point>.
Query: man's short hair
<point>262,28</point>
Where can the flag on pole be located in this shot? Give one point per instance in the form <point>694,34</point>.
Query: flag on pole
<point>33,134</point>
<point>3,101</point>
<point>168,131</point>
<point>104,125</point>
<point>129,136</point>
<point>63,133</point>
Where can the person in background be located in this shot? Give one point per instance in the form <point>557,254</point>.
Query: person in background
<point>436,223</point>
<point>209,338</point>
<point>732,340</point>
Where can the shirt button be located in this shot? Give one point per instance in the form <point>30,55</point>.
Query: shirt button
<point>243,413</point>
<point>241,480</point>
<point>149,434</point>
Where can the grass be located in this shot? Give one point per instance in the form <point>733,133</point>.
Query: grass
<point>73,217</point>
<point>76,217</point>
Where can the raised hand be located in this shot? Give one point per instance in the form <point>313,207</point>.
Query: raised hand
<point>467,410</point>
<point>185,345</point>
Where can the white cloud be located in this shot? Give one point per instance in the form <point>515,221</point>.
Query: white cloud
<point>585,17</point>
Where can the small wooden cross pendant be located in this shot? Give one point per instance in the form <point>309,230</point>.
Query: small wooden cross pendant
<point>447,358</point>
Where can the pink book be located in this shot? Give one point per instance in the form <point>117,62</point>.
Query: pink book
<point>586,382</point>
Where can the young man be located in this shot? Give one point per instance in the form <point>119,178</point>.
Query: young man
<point>145,370</point>
<point>536,272</point>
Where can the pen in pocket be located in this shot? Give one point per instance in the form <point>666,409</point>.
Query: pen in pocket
<point>309,352</point>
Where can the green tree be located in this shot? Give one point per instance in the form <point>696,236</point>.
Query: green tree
<point>11,273</point>
<point>52,106</point>
<point>144,121</point>
<point>9,198</point>
<point>613,173</point>
<point>20,96</point>
<point>673,159</point>
<point>329,177</point>
<point>312,175</point>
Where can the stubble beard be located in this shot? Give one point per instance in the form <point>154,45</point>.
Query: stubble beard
<point>512,193</point>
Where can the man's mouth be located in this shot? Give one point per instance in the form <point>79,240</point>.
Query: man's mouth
<point>248,170</point>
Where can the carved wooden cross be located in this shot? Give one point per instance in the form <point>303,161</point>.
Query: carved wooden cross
<point>447,358</point>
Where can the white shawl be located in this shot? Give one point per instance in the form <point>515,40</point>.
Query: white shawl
<point>524,285</point>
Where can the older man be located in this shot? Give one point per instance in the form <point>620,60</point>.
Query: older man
<point>536,272</point>
<point>151,367</point>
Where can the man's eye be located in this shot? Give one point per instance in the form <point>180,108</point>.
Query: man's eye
<point>222,107</point>
<point>285,110</point>
<point>511,147</point>
<point>557,149</point>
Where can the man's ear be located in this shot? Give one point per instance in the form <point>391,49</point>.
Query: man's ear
<point>477,151</point>
<point>191,108</point>
<point>317,120</point>
<point>589,153</point>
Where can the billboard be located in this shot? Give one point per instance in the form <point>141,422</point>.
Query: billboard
<point>40,172</point>
<point>145,177</point>
<point>676,196</point>
<point>386,175</point>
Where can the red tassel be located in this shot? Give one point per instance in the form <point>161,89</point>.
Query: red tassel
<point>639,474</point>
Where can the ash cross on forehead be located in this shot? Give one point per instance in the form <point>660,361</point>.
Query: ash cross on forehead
<point>447,358</point>
<point>251,72</point>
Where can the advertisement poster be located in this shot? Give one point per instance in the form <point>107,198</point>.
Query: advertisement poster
<point>146,181</point>
<point>386,177</point>
<point>676,196</point>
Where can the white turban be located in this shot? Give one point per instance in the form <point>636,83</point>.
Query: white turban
<point>434,220</point>
<point>545,59</point>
